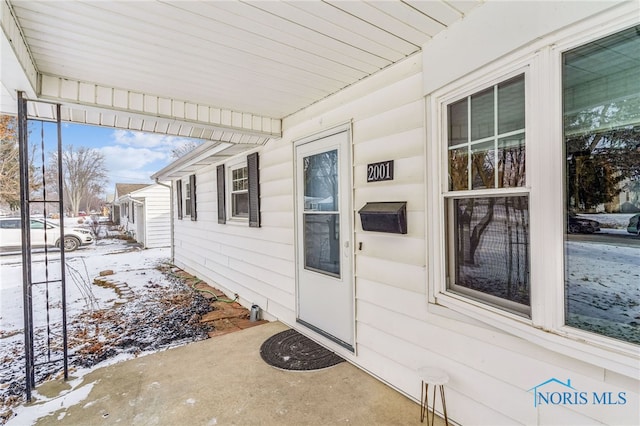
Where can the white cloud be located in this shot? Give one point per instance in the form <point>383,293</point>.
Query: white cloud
<point>127,164</point>
<point>128,176</point>
<point>134,156</point>
<point>119,158</point>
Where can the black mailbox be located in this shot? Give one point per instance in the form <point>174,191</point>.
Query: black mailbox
<point>384,217</point>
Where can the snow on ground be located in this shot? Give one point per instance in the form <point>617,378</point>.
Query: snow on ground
<point>603,289</point>
<point>145,311</point>
<point>603,282</point>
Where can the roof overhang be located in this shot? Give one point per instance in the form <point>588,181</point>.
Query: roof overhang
<point>227,72</point>
<point>17,71</point>
<point>206,154</point>
<point>89,103</point>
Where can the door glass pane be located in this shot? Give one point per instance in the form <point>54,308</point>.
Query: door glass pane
<point>322,243</point>
<point>321,182</point>
<point>601,100</point>
<point>321,230</point>
<point>490,242</point>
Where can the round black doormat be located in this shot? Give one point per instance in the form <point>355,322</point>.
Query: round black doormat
<point>290,350</point>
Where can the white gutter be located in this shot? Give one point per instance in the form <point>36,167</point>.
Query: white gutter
<point>202,152</point>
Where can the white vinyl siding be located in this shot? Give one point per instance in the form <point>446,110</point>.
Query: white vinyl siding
<point>256,263</point>
<point>157,219</point>
<point>259,264</point>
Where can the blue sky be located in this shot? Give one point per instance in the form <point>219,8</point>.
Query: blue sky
<point>130,157</point>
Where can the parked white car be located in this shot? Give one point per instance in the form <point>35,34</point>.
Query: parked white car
<point>634,225</point>
<point>11,234</point>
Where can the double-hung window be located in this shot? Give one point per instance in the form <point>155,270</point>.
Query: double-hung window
<point>190,204</point>
<point>179,202</point>
<point>238,186</point>
<point>487,205</point>
<point>239,191</point>
<point>187,198</point>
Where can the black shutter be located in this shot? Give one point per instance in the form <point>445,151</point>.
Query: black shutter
<point>221,195</point>
<point>179,197</point>
<point>253,170</point>
<point>192,184</point>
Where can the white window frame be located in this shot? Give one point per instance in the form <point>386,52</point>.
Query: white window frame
<point>239,163</point>
<point>542,65</point>
<point>186,205</point>
<point>488,192</point>
<point>179,197</point>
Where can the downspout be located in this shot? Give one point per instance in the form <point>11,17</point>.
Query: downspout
<point>171,216</point>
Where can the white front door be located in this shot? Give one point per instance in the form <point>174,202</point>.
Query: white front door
<point>324,248</point>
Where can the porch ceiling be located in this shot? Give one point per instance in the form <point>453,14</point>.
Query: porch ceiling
<point>197,68</point>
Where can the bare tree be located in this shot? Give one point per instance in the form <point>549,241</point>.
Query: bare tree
<point>84,174</point>
<point>184,149</point>
<point>93,199</point>
<point>602,153</point>
<point>10,164</point>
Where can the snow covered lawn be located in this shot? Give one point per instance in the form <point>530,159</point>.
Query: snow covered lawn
<point>138,309</point>
<point>603,289</point>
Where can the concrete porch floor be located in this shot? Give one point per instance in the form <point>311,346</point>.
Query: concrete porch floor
<point>224,380</point>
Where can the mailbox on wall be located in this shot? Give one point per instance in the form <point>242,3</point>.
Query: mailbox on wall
<point>384,216</point>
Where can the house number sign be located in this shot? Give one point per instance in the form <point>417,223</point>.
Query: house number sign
<point>377,172</point>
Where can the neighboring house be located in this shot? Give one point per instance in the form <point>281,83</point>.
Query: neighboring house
<point>144,212</point>
<point>627,201</point>
<point>279,225</point>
